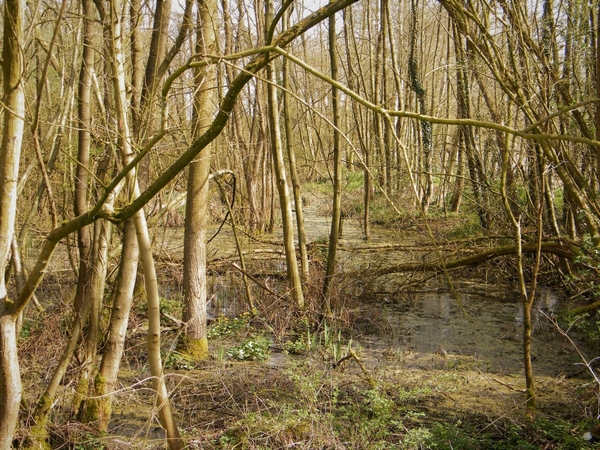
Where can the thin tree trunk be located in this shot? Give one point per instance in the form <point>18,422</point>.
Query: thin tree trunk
<point>10,153</point>
<point>82,317</point>
<point>145,245</point>
<point>292,162</point>
<point>527,299</point>
<point>334,234</point>
<point>466,144</point>
<point>293,275</point>
<point>597,116</point>
<point>106,378</point>
<point>356,113</point>
<point>238,243</point>
<point>158,48</point>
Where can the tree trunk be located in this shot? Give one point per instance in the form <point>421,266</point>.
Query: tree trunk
<point>106,378</point>
<point>10,381</point>
<point>145,245</point>
<point>354,79</point>
<point>99,267</point>
<point>292,162</point>
<point>195,343</point>
<point>426,132</point>
<point>334,234</point>
<point>158,48</point>
<point>293,275</point>
<point>10,153</point>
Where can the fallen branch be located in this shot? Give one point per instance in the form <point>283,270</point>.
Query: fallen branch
<point>554,248</point>
<point>256,281</point>
<point>583,309</point>
<point>366,373</point>
<point>508,385</point>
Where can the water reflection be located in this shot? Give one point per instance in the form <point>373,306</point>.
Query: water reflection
<point>487,327</point>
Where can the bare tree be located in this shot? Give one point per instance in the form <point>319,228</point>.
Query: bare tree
<point>334,234</point>
<point>194,261</point>
<point>12,138</point>
<point>293,274</point>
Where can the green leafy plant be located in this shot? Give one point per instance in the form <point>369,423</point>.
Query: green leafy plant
<point>227,326</point>
<point>298,347</point>
<point>253,349</point>
<point>175,360</point>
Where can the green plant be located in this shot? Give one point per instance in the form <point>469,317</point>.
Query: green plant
<point>26,329</point>
<point>307,381</point>
<point>253,349</point>
<point>370,420</point>
<point>298,347</point>
<point>219,354</point>
<point>169,309</point>
<point>227,326</point>
<point>175,360</point>
<point>467,227</point>
<point>416,438</point>
<point>89,442</point>
<point>473,433</point>
<point>413,395</point>
<point>331,343</point>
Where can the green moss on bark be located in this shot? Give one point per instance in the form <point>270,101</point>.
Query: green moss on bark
<point>103,403</point>
<point>193,349</point>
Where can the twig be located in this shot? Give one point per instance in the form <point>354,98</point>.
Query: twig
<point>368,376</point>
<point>508,385</point>
<point>588,364</point>
<point>257,281</point>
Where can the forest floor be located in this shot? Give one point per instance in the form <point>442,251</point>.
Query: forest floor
<point>407,363</point>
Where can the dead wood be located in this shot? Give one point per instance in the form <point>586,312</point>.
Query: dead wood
<point>256,281</point>
<point>584,309</point>
<point>560,249</point>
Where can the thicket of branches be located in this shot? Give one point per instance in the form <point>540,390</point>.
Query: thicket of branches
<point>484,107</point>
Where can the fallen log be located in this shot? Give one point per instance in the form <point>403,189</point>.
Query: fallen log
<point>561,249</point>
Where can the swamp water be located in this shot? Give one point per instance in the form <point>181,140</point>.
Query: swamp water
<point>425,329</point>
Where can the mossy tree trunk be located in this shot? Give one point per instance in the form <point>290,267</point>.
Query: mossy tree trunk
<point>426,131</point>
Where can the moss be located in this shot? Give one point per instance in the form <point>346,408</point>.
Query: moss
<point>37,438</point>
<point>103,404</point>
<point>81,391</point>
<point>193,349</point>
<point>43,406</point>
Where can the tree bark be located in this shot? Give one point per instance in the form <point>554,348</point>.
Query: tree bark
<point>334,233</point>
<point>293,274</point>
<point>10,153</point>
<point>195,342</point>
<point>106,378</point>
